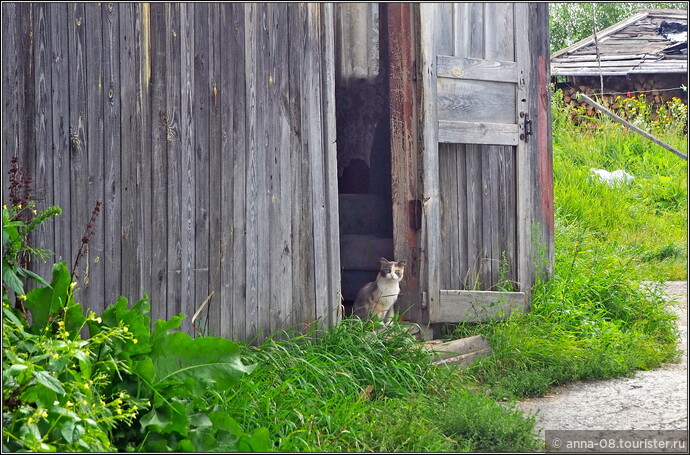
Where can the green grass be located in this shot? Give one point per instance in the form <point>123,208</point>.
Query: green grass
<point>346,389</point>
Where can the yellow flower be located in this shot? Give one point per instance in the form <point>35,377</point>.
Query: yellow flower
<point>119,411</point>
<point>19,206</point>
<point>55,356</point>
<point>31,420</point>
<point>125,329</point>
<point>99,320</point>
<point>84,402</point>
<point>34,212</point>
<point>21,297</point>
<point>135,341</point>
<point>4,206</point>
<point>73,284</point>
<point>44,414</point>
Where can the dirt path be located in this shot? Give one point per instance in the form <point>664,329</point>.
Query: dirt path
<point>650,400</point>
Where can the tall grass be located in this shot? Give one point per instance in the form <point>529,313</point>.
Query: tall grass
<point>347,389</point>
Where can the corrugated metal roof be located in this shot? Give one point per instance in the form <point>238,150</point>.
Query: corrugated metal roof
<point>632,46</point>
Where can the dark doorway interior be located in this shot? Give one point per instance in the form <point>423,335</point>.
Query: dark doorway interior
<point>364,157</point>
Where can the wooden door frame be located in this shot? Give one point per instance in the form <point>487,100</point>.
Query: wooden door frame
<point>400,44</point>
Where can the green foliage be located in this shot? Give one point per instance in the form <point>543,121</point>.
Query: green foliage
<point>122,387</point>
<point>574,21</point>
<point>15,249</point>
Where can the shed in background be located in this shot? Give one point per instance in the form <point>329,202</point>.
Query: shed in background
<point>644,54</point>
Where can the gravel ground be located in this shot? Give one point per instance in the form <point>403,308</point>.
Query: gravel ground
<point>649,400</point>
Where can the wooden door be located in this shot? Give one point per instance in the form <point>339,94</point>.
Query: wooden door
<point>486,157</point>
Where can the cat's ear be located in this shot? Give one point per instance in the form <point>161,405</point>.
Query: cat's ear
<point>383,261</point>
<point>402,263</point>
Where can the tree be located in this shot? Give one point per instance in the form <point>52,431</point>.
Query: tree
<point>572,22</point>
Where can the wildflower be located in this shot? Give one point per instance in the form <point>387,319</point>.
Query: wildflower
<point>19,206</point>
<point>125,329</point>
<point>118,410</point>
<point>21,297</point>
<point>135,341</point>
<point>69,403</point>
<point>44,414</point>
<point>55,356</point>
<point>99,320</point>
<point>34,211</point>
<point>73,284</point>
<point>31,420</point>
<point>4,206</point>
<point>84,402</point>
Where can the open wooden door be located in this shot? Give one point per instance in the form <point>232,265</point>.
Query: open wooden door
<point>487,228</point>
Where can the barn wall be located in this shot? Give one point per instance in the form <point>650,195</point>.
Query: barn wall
<point>207,130</point>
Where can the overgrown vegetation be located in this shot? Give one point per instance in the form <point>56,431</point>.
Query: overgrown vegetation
<point>77,381</point>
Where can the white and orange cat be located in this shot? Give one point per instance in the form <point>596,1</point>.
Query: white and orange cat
<point>377,299</point>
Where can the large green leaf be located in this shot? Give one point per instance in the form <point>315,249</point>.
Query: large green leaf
<point>208,360</point>
<point>43,302</point>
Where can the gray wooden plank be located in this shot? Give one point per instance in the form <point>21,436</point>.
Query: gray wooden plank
<point>227,34</point>
<point>142,35</point>
<point>158,290</point>
<point>130,109</point>
<point>490,230</point>
<point>238,146</point>
<point>9,112</point>
<point>330,158</point>
<point>477,132</point>
<point>201,121</point>
<point>475,252</point>
<point>172,124</point>
<point>462,219</point>
<point>43,173</point>
<point>80,207</point>
<point>188,175</point>
<point>448,184</point>
<point>252,25</point>
<point>478,306</point>
<point>430,277</point>
<point>302,226</point>
<point>316,153</point>
<point>264,118</point>
<point>458,67</point>
<point>217,247</point>
<point>112,196</point>
<point>476,101</point>
<point>94,294</point>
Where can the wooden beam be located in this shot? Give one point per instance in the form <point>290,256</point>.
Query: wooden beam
<point>476,68</point>
<point>592,103</point>
<point>477,306</point>
<point>477,133</point>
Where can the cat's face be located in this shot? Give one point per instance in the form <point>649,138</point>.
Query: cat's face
<point>392,270</point>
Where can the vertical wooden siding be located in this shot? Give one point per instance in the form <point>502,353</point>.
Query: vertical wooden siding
<point>208,132</point>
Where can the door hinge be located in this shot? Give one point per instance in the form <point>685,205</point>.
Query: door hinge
<point>525,126</point>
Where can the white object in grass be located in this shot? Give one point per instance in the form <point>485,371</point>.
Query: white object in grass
<point>612,178</point>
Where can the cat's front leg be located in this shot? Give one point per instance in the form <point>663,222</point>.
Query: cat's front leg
<point>389,316</point>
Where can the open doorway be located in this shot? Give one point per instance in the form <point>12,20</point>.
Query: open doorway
<point>363,145</point>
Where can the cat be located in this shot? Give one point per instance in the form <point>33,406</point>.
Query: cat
<point>377,299</point>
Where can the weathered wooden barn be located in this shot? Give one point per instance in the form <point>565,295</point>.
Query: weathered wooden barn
<point>646,53</point>
<point>255,159</point>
